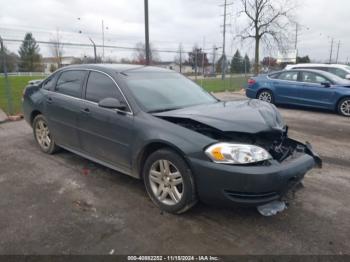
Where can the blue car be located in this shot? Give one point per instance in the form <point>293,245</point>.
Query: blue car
<point>304,87</point>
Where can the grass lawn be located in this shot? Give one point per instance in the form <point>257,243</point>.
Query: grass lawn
<point>217,85</point>
<point>17,84</point>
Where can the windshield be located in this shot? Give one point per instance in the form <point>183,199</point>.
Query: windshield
<point>159,91</point>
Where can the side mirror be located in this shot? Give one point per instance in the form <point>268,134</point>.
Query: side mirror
<point>347,77</point>
<point>111,103</point>
<point>326,84</point>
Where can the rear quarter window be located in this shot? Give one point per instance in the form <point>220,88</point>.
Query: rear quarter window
<point>49,83</point>
<point>274,76</point>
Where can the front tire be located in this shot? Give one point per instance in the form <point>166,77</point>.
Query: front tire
<point>169,181</point>
<point>43,135</point>
<point>266,96</point>
<point>344,107</point>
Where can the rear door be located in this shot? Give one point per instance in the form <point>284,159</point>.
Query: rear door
<point>314,92</point>
<point>106,134</point>
<point>286,87</point>
<point>63,107</point>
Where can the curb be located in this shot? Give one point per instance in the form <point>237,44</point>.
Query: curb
<point>5,118</point>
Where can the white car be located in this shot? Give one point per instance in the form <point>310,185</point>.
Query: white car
<point>343,71</point>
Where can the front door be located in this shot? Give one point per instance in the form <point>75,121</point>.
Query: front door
<point>314,92</point>
<point>106,134</point>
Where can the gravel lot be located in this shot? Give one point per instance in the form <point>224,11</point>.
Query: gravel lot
<point>64,204</point>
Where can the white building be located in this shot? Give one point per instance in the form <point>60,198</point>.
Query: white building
<point>50,63</point>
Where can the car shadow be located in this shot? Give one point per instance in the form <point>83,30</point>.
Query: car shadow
<point>99,172</point>
<point>304,108</point>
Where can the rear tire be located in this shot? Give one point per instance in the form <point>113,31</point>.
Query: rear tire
<point>43,136</point>
<point>169,182</point>
<point>266,96</point>
<point>344,107</point>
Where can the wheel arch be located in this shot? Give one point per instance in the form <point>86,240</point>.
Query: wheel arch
<point>336,106</point>
<point>152,147</point>
<point>264,89</point>
<point>33,115</point>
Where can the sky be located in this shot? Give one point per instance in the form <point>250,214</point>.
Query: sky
<point>172,22</point>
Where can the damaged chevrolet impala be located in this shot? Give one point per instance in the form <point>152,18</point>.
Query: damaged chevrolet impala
<point>158,126</point>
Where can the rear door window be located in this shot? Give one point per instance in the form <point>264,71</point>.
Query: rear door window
<point>70,83</point>
<point>310,77</point>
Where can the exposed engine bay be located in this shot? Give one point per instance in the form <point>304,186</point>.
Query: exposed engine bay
<point>276,142</point>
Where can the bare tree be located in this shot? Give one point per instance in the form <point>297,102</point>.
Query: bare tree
<point>268,21</point>
<point>140,54</point>
<point>57,48</point>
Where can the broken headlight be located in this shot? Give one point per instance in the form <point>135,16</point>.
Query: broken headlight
<point>239,154</point>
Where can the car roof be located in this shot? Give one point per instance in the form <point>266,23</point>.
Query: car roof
<point>315,65</point>
<point>119,68</point>
<point>331,76</point>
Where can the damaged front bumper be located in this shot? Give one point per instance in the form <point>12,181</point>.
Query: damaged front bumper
<point>255,184</point>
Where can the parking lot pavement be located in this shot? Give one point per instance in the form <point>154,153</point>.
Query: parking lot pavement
<point>64,204</point>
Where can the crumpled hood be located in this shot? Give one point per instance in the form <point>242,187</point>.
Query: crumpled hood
<point>246,116</point>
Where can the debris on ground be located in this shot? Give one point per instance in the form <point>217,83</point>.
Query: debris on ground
<point>84,206</point>
<point>272,208</point>
<point>15,117</point>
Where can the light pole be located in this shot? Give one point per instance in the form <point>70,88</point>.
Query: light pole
<point>93,44</point>
<point>214,57</point>
<point>95,54</point>
<point>103,39</point>
<point>103,28</point>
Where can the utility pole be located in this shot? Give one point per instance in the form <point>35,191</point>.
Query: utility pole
<point>203,55</point>
<point>146,33</point>
<point>7,84</point>
<point>103,41</point>
<point>336,60</point>
<point>196,64</point>
<point>180,58</point>
<point>331,53</point>
<point>214,57</point>
<point>296,35</point>
<point>223,62</point>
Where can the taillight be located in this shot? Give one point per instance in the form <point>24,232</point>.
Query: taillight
<point>251,81</point>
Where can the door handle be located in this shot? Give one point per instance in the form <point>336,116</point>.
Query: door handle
<point>86,110</point>
<point>49,100</point>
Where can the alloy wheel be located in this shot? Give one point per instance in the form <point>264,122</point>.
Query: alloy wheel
<point>265,96</point>
<point>345,107</point>
<point>42,134</point>
<point>166,182</point>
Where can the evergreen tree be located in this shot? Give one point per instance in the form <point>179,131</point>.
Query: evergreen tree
<point>11,61</point>
<point>30,58</point>
<point>236,63</point>
<point>246,64</point>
